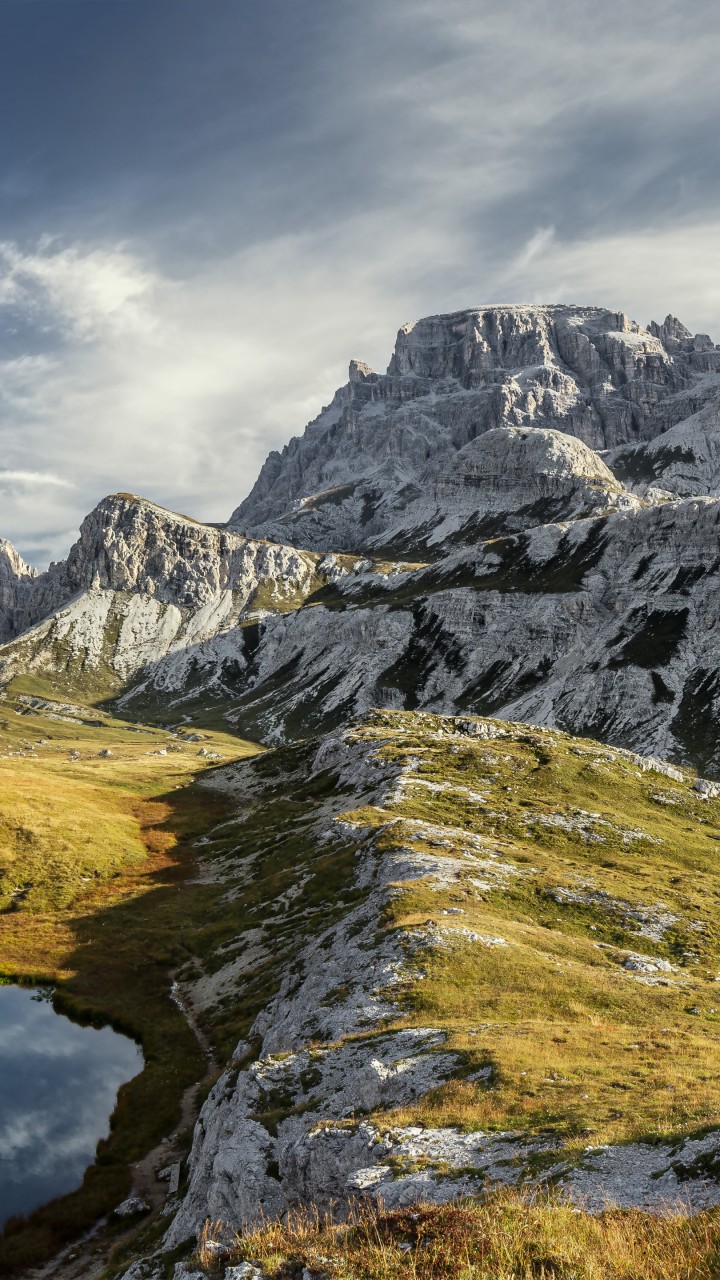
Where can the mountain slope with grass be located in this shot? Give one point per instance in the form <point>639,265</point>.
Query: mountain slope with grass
<point>518,986</point>
<point>374,816</point>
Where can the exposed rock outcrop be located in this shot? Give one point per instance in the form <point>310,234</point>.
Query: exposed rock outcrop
<point>142,582</point>
<point>684,459</point>
<point>309,1116</point>
<point>16,579</point>
<point>379,447</point>
<point>605,626</point>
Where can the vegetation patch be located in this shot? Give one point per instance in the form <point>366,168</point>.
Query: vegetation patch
<point>505,1237</point>
<point>575,868</point>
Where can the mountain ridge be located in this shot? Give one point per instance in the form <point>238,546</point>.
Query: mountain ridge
<point>589,372</point>
<point>452,926</point>
<point>526,575</point>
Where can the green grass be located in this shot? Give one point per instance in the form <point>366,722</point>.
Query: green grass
<point>123,910</point>
<point>70,816</point>
<point>578,1045</point>
<point>93,853</point>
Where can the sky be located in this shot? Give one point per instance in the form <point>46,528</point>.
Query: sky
<point>207,207</point>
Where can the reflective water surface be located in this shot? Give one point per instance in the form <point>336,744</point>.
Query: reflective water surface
<point>58,1084</point>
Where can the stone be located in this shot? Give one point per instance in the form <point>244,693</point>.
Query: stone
<point>131,1208</point>
<point>706,788</point>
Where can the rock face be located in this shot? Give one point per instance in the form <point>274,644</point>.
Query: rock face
<point>16,580</point>
<point>365,474</point>
<point>684,459</point>
<point>605,626</point>
<point>588,605</point>
<point>142,582</point>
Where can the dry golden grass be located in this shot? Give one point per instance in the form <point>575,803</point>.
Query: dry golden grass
<point>506,1237</point>
<point>577,1044</point>
<point>70,816</point>
<point>99,847</point>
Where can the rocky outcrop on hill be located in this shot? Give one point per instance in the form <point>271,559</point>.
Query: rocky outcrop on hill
<point>603,625</point>
<point>684,459</point>
<point>343,1090</point>
<point>366,472</point>
<point>508,479</point>
<point>142,582</point>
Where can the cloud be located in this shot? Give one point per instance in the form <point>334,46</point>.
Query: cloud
<point>164,332</point>
<point>86,293</point>
<point>537,244</point>
<point>31,478</point>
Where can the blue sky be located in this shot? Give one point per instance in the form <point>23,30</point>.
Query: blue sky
<point>208,206</point>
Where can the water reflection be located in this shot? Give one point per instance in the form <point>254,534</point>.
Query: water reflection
<point>58,1084</point>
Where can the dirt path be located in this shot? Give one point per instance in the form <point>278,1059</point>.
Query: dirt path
<point>145,1183</point>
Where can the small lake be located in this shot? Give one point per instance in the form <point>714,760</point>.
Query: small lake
<point>58,1085</point>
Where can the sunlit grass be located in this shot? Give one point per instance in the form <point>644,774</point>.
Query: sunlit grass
<point>506,1237</point>
<point>578,1045</point>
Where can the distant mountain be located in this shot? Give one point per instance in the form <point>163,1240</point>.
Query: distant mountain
<point>397,462</point>
<point>16,579</point>
<point>500,565</point>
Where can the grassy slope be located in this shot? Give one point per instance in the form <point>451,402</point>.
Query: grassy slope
<point>69,815</point>
<point>93,851</point>
<point>578,1045</point>
<point>125,909</point>
<point>505,1237</point>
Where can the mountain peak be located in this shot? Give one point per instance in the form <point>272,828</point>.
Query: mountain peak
<point>379,447</point>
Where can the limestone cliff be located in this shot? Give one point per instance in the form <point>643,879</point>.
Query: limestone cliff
<point>365,473</point>
<point>142,582</point>
<point>16,578</point>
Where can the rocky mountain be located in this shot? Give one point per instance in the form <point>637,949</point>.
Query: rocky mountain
<point>16,578</point>
<point>684,458</point>
<point>539,583</point>
<point>461,951</point>
<point>141,583</point>
<point>397,462</point>
<point>604,625</point>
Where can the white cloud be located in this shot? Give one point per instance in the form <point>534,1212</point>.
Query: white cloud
<point>469,153</point>
<point>537,244</point>
<point>87,292</point>
<point>31,478</point>
<point>235,359</point>
<point>646,274</point>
